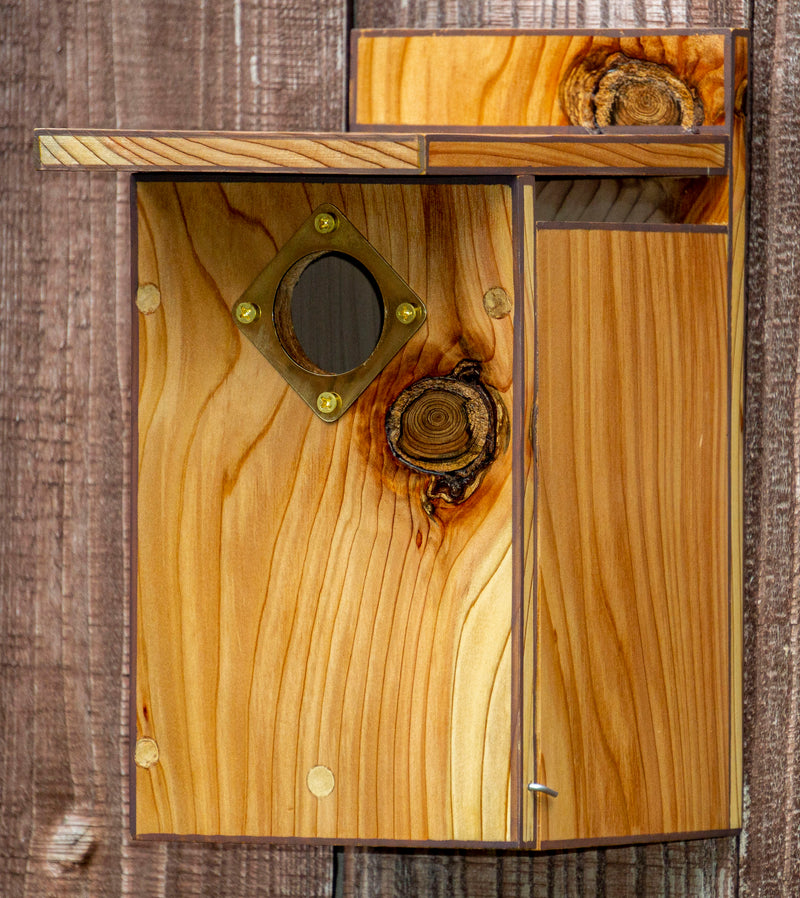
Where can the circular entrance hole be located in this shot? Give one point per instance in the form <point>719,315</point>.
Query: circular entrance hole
<point>328,313</point>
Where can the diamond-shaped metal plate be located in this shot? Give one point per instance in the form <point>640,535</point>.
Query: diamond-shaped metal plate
<point>271,331</point>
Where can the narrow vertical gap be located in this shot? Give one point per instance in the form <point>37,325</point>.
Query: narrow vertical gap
<point>337,872</point>
<point>348,25</point>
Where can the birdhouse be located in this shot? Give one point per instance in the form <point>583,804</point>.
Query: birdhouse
<point>438,429</point>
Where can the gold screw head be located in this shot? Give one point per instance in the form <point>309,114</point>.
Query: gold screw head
<point>326,223</point>
<point>328,403</point>
<point>247,312</point>
<point>146,753</point>
<point>320,781</point>
<point>406,313</point>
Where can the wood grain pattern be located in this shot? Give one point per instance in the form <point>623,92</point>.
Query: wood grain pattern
<point>770,862</point>
<point>170,151</point>
<point>632,716</point>
<point>549,14</point>
<point>738,237</point>
<point>602,89</point>
<point>568,156</point>
<point>526,242</point>
<point>65,334</point>
<point>197,151</point>
<point>107,65</point>
<point>634,200</point>
<point>297,604</point>
<point>505,80</point>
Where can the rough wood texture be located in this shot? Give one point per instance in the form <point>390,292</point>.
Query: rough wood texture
<point>514,80</point>
<point>567,158</point>
<point>632,532</point>
<point>549,14</point>
<point>771,763</point>
<point>65,414</point>
<point>288,620</point>
<point>451,428</point>
<point>603,89</point>
<point>688,869</point>
<point>152,65</point>
<point>228,152</point>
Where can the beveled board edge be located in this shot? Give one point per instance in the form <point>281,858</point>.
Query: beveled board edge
<point>518,795</point>
<point>86,149</point>
<point>609,841</point>
<point>133,436</point>
<point>618,155</point>
<point>353,154</point>
<point>544,32</point>
<point>318,841</point>
<point>643,839</point>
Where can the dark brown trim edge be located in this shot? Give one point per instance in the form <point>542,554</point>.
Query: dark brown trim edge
<point>729,80</point>
<point>730,75</point>
<point>305,840</point>
<point>133,615</point>
<point>630,226</point>
<point>352,88</point>
<point>517,517</point>
<point>530,183</point>
<point>555,132</point>
<point>188,134</point>
<point>573,171</point>
<point>543,32</point>
<point>643,839</point>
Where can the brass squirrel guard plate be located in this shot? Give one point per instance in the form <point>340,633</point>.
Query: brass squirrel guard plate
<point>263,312</point>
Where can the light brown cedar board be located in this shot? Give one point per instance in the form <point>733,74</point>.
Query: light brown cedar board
<point>506,79</point>
<point>632,468</point>
<point>124,150</point>
<point>459,776</point>
<point>376,154</point>
<point>737,252</point>
<point>449,154</point>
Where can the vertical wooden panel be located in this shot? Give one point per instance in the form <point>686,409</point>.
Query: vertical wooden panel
<point>737,251</point>
<point>632,690</point>
<point>709,868</point>
<point>771,692</point>
<point>526,241</point>
<point>298,606</point>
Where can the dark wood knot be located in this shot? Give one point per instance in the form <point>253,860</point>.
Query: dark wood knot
<point>451,428</point>
<point>602,90</point>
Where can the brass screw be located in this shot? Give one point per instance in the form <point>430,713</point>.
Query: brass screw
<point>320,781</point>
<point>326,223</point>
<point>148,298</point>
<point>406,313</point>
<point>146,753</point>
<point>328,403</point>
<point>247,312</point>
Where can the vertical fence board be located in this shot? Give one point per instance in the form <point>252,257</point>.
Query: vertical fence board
<point>65,329</point>
<point>64,462</point>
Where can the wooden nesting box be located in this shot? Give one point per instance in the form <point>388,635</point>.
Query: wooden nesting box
<point>439,440</point>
